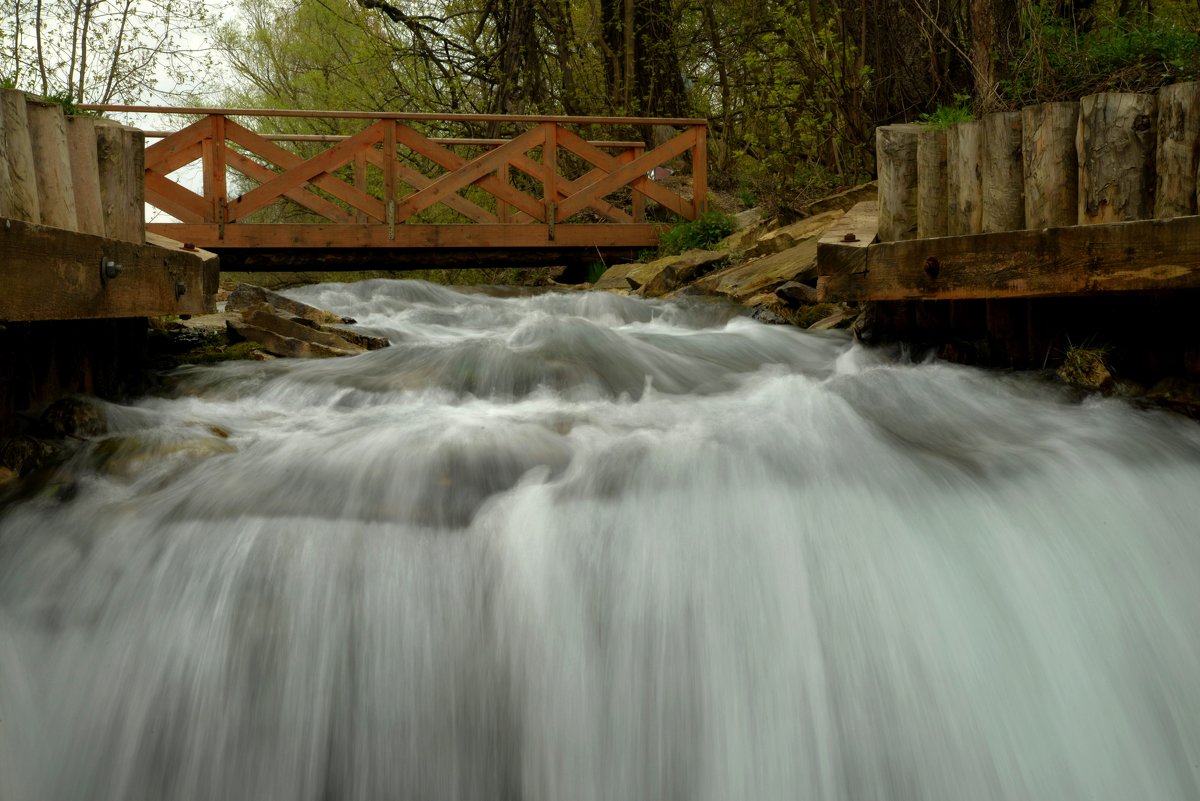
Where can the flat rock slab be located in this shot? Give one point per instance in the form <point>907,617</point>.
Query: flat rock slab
<point>289,328</point>
<point>656,278</point>
<point>798,263</point>
<point>791,235</point>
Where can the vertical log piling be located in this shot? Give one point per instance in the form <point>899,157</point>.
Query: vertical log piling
<point>1178,150</point>
<point>1003,182</point>
<point>1116,140</point>
<point>964,179</point>
<point>1050,164</point>
<point>896,159</point>
<point>85,176</point>
<point>18,190</point>
<point>931,183</point>
<point>48,138</point>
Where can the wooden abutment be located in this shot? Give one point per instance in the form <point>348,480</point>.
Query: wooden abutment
<point>79,274</point>
<point>1018,234</point>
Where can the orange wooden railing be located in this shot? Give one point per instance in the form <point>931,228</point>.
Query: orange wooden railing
<point>544,186</point>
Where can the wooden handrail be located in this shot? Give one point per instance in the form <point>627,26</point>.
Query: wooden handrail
<point>604,143</point>
<point>400,115</point>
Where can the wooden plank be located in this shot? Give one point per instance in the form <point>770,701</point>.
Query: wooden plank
<point>700,173</point>
<point>215,170</point>
<point>180,158</point>
<point>479,169</point>
<point>324,162</point>
<point>1141,256</point>
<point>466,235</point>
<point>896,162</point>
<point>627,173</point>
<point>550,167</point>
<point>315,203</point>
<point>360,180</point>
<point>843,246</point>
<point>449,160</point>
<point>176,200</point>
<point>639,186</point>
<point>467,208</point>
<point>51,274</point>
<point>607,164</point>
<point>161,155</point>
<point>285,159</point>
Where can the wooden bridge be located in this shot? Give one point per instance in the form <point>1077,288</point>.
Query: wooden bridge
<point>419,189</point>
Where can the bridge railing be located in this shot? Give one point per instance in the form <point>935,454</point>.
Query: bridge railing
<point>396,183</point>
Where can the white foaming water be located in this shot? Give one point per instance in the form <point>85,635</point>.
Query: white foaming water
<point>579,547</point>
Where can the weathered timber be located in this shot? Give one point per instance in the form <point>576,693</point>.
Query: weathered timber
<point>964,178</point>
<point>843,246</point>
<point>1051,164</point>
<point>1003,182</point>
<point>1116,141</point>
<point>48,138</point>
<point>51,274</point>
<point>931,183</point>
<point>1142,256</point>
<point>1178,150</point>
<point>85,175</point>
<point>18,187</point>
<point>896,162</point>
<point>120,154</point>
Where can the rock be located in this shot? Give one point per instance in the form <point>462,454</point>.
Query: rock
<point>660,276</point>
<point>74,417</point>
<point>1177,394</point>
<point>765,315</point>
<point>24,454</point>
<point>739,243</point>
<point>743,281</point>
<point>842,318</point>
<point>843,201</point>
<point>7,476</point>
<point>129,455</point>
<point>279,344</point>
<point>750,218</point>
<point>790,235</point>
<point>796,293</point>
<point>246,297</point>
<point>1086,368</point>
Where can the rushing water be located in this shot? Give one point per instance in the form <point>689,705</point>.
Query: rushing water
<point>578,547</point>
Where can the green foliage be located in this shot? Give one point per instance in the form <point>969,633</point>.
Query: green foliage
<point>595,270</point>
<point>69,107</point>
<point>709,229</point>
<point>1131,54</point>
<point>947,114</point>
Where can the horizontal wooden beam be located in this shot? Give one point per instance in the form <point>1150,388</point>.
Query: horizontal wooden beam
<point>1141,256</point>
<point>408,235</point>
<point>52,274</point>
<point>451,141</point>
<point>393,115</point>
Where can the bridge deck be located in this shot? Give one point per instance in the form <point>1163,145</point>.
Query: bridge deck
<point>416,187</point>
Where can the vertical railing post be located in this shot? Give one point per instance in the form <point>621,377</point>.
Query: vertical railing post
<point>389,175</point>
<point>502,208</point>
<point>700,171</point>
<point>550,163</point>
<point>214,172</point>
<point>639,200</point>
<point>360,180</point>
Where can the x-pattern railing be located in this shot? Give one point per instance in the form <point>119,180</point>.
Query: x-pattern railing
<point>382,186</point>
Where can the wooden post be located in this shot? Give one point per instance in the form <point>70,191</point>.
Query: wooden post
<point>18,188</point>
<point>550,164</point>
<point>48,138</point>
<point>639,200</point>
<point>964,179</point>
<point>1003,182</point>
<point>389,177</point>
<point>120,158</point>
<point>700,171</point>
<point>1051,166</point>
<point>1116,140</point>
<point>896,161</point>
<point>360,180</point>
<point>215,170</point>
<point>1178,150</point>
<point>502,208</point>
<point>931,183</point>
<point>85,175</point>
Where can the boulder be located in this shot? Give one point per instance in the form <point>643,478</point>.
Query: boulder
<point>750,218</point>
<point>660,276</point>
<point>842,318</point>
<point>74,417</point>
<point>741,282</point>
<point>246,297</point>
<point>790,235</point>
<point>795,293</point>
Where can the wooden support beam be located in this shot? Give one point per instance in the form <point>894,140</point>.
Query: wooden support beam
<point>1142,256</point>
<point>52,274</point>
<point>409,235</point>
<point>843,246</point>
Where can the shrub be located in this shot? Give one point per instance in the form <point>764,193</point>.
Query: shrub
<point>709,229</point>
<point>946,115</point>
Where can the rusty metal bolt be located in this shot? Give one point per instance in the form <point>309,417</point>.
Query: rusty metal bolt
<point>932,267</point>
